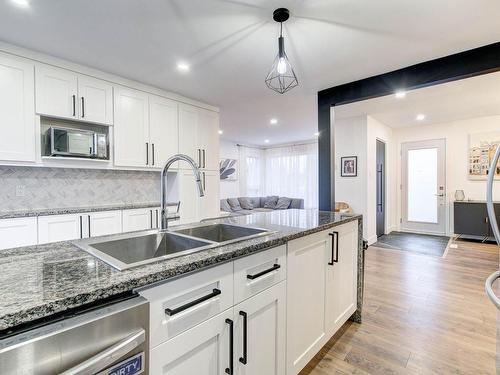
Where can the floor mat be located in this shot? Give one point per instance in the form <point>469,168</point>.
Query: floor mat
<point>413,242</point>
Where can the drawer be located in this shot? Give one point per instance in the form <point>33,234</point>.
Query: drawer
<point>178,305</point>
<point>257,272</point>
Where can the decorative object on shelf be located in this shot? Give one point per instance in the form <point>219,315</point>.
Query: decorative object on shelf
<point>349,165</point>
<point>482,147</point>
<point>228,169</point>
<point>281,78</point>
<point>459,195</point>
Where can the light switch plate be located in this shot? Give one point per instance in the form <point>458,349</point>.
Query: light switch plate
<point>20,190</point>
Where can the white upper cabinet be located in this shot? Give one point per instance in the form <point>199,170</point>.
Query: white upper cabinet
<point>131,130</point>
<point>56,92</point>
<point>163,129</point>
<point>198,135</point>
<point>17,112</point>
<point>95,100</point>
<point>65,94</point>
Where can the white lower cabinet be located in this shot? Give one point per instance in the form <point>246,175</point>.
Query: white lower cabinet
<point>194,208</point>
<point>202,350</point>
<point>260,332</point>
<point>61,228</point>
<point>321,290</point>
<point>104,223</point>
<point>18,232</point>
<point>140,219</point>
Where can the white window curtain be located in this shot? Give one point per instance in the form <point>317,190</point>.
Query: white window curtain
<point>292,171</point>
<point>251,171</point>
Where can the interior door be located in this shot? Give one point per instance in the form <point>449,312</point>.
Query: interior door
<point>424,186</point>
<point>380,188</point>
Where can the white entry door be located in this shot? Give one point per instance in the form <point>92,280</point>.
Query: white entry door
<point>424,186</point>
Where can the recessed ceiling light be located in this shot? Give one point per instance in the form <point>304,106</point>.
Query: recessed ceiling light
<point>273,121</point>
<point>420,117</point>
<point>21,3</point>
<point>267,141</point>
<point>183,67</point>
<point>400,94</point>
<point>221,131</point>
<point>316,134</point>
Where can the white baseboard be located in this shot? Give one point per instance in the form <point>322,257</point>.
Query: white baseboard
<point>372,240</point>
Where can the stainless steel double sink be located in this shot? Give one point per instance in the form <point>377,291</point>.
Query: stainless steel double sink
<point>129,250</point>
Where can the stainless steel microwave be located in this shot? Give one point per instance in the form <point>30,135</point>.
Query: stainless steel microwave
<point>77,142</point>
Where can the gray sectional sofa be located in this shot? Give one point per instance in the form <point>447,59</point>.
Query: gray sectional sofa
<point>250,205</point>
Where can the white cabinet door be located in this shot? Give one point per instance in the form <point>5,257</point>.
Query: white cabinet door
<point>163,129</point>
<point>17,112</point>
<point>306,287</point>
<point>341,283</point>
<point>189,197</point>
<point>259,333</point>
<point>208,127</point>
<point>95,100</point>
<point>60,228</point>
<point>131,130</point>
<point>56,92</point>
<point>188,133</point>
<point>202,350</point>
<point>139,219</point>
<point>209,205</point>
<point>18,232</point>
<point>104,223</point>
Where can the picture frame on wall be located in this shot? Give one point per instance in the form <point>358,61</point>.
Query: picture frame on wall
<point>228,169</point>
<point>349,166</point>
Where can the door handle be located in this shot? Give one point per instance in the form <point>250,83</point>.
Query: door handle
<point>81,227</point>
<point>153,153</point>
<point>229,370</point>
<point>107,357</point>
<point>83,107</point>
<point>199,158</point>
<point>335,249</point>
<point>244,358</point>
<point>147,153</point>
<point>151,218</point>
<point>89,225</point>
<point>439,195</point>
<point>171,312</point>
<point>257,275</point>
<point>74,105</point>
<point>204,160</point>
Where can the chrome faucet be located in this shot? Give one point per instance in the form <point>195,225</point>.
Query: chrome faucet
<point>163,184</point>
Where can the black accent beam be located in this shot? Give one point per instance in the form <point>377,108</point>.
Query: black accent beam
<point>461,65</point>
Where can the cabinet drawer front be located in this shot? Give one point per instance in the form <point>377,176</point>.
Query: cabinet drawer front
<point>181,304</point>
<point>138,219</point>
<point>257,272</point>
<point>18,232</point>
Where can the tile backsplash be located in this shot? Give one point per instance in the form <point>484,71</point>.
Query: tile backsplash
<point>67,187</point>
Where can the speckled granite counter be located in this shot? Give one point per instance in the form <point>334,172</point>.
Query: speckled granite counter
<point>39,281</point>
<point>76,210</point>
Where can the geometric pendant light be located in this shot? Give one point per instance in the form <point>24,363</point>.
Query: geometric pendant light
<point>281,78</point>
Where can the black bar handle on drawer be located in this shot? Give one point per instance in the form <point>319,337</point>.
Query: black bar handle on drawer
<point>179,309</point>
<point>273,268</point>
<point>244,358</point>
<point>335,248</point>
<point>229,370</point>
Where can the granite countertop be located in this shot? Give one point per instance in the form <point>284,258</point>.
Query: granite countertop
<point>76,210</point>
<point>39,281</point>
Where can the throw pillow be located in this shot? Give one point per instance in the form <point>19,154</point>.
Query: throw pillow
<point>245,203</point>
<point>224,205</point>
<point>270,202</point>
<point>234,203</point>
<point>283,203</point>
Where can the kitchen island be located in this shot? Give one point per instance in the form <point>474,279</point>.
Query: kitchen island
<point>39,282</point>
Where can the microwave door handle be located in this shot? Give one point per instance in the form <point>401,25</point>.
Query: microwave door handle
<point>108,356</point>
<point>95,141</point>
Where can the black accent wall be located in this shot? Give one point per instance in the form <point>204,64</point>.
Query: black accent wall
<point>466,64</point>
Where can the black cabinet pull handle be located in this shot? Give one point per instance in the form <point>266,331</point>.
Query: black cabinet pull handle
<point>171,312</point>
<point>199,158</point>
<point>262,273</point>
<point>335,258</point>
<point>229,370</point>
<point>244,358</point>
<point>157,219</point>
<point>89,225</point>
<point>147,153</point>
<point>151,218</point>
<point>74,105</point>
<point>81,227</point>
<point>204,160</point>
<point>153,152</point>
<point>83,107</point>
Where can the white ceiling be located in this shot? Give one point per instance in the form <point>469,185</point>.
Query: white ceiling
<point>457,100</point>
<point>231,44</point>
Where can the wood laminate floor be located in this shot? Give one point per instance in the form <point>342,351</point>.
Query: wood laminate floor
<point>422,315</point>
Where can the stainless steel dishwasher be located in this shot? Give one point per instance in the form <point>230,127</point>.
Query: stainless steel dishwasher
<point>109,340</point>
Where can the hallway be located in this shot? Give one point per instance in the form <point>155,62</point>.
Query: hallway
<point>422,315</point>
